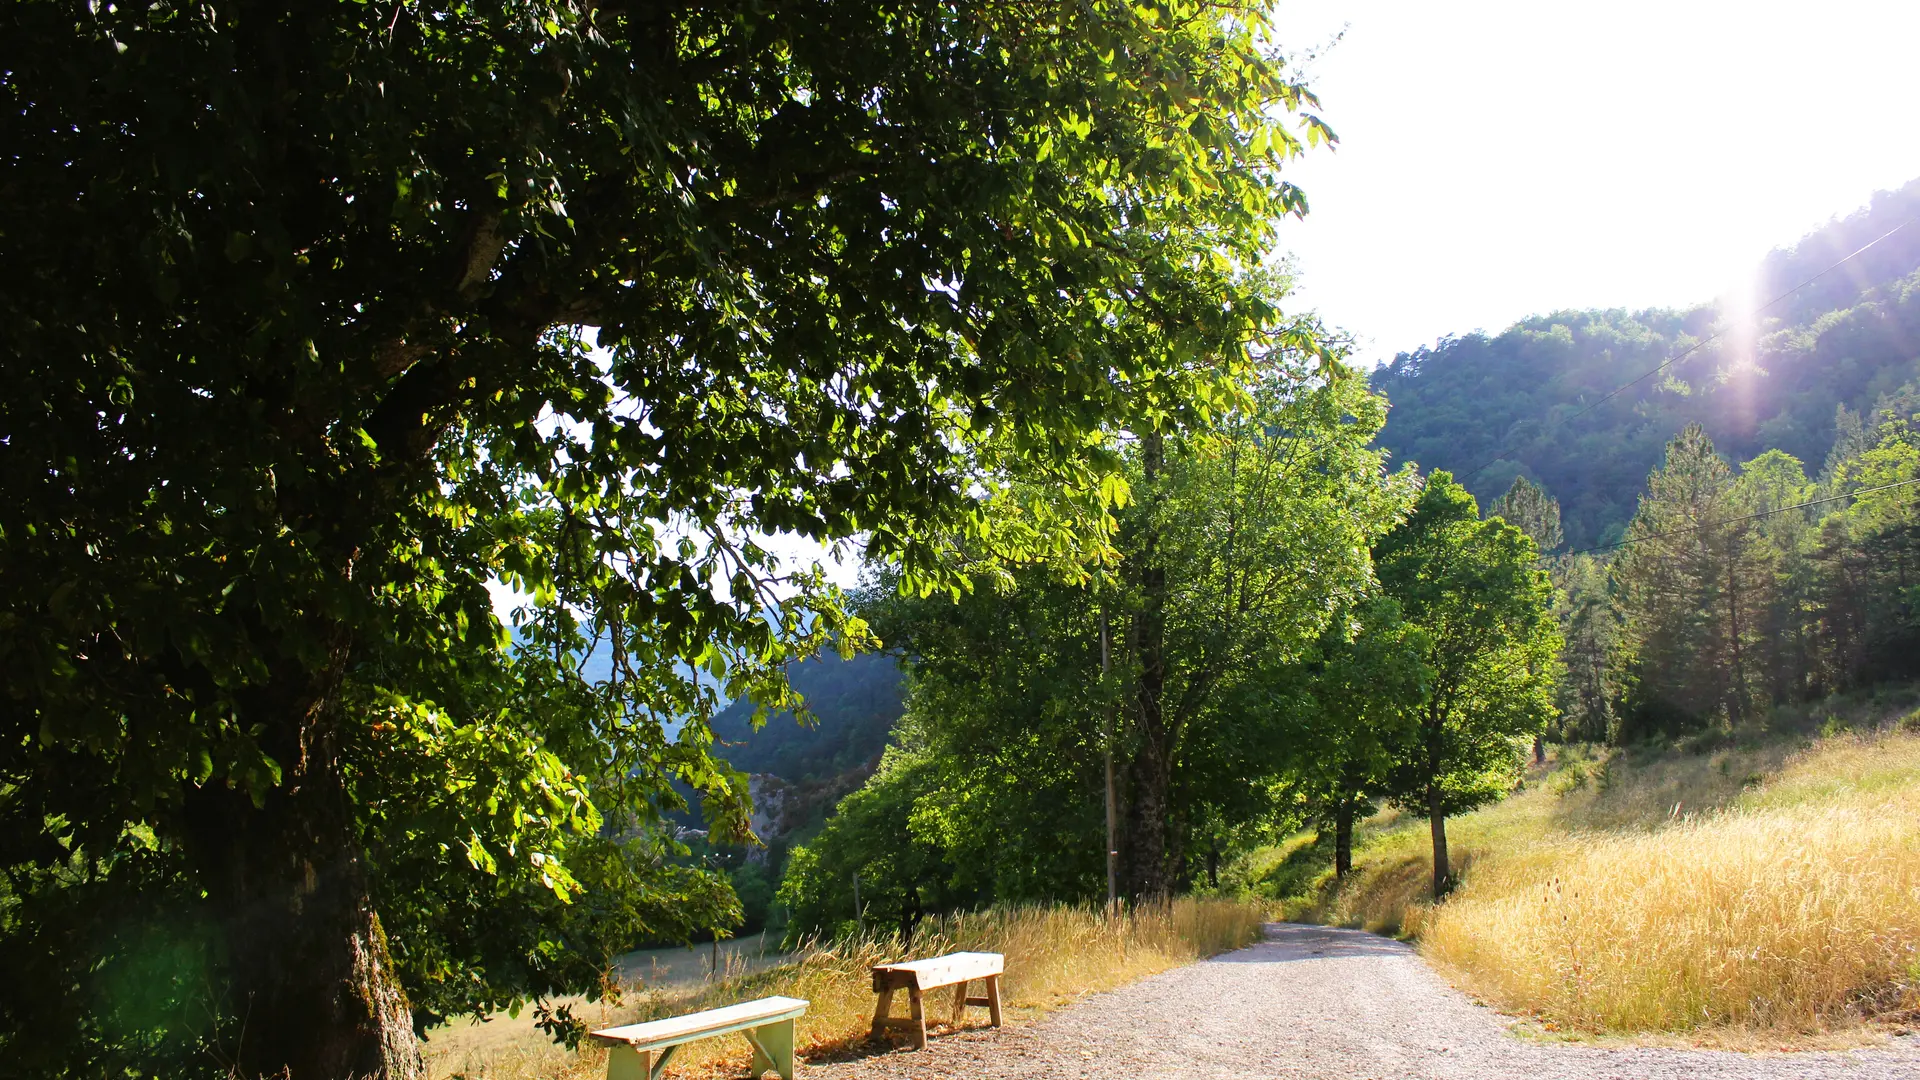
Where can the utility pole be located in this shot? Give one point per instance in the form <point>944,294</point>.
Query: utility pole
<point>1113,852</point>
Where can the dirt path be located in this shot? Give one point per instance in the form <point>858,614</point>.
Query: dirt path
<point>1317,1002</point>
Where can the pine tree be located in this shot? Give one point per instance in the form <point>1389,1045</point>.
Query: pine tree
<point>1527,505</point>
<point>1772,484</point>
<point>1588,688</point>
<point>1691,594</point>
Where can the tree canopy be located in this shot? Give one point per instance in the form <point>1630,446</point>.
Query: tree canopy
<point>321,318</point>
<point>1232,554</point>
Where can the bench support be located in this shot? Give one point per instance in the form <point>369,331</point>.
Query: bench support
<point>991,1002</point>
<point>773,1049</point>
<point>626,1063</point>
<point>914,1024</point>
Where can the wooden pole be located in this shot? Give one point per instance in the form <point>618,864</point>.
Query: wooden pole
<point>1113,853</point>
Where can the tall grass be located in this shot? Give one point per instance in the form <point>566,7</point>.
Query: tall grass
<point>1796,909</point>
<point>1054,955</point>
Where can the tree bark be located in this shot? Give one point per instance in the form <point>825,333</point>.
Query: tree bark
<point>1343,836</point>
<point>1739,702</point>
<point>1146,850</point>
<point>311,983</point>
<point>1437,823</point>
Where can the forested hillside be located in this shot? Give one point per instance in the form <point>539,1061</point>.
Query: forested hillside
<point>854,704</point>
<point>1528,401</point>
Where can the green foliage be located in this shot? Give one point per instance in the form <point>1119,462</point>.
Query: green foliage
<point>1687,585</point>
<point>1476,592</point>
<point>1755,587</point>
<point>897,836</point>
<point>328,317</point>
<point>1229,557</point>
<point>1590,682</point>
<point>995,788</point>
<point>992,790</point>
<point>755,884</point>
<point>1536,513</point>
<point>1348,707</point>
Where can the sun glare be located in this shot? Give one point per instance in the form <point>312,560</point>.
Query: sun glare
<point>1740,321</point>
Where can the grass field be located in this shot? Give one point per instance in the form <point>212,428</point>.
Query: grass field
<point>1770,890</point>
<point>1054,955</point>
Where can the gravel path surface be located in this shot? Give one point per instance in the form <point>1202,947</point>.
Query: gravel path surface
<point>1317,1002</point>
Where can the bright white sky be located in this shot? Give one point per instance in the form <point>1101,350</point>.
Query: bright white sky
<point>1502,158</point>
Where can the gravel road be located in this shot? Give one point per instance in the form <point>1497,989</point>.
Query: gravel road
<point>1317,1002</point>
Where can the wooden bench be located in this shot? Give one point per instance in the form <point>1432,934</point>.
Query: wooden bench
<point>640,1051</point>
<point>954,969</point>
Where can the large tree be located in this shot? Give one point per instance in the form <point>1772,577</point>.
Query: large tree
<point>320,317</point>
<point>1239,547</point>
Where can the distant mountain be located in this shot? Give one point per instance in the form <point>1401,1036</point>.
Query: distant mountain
<point>856,702</point>
<point>1528,400</point>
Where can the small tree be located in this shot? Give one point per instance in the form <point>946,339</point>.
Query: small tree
<point>1476,592</point>
<point>1527,505</point>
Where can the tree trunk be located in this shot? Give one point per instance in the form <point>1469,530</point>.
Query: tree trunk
<point>1146,850</point>
<point>1739,703</point>
<point>311,983</point>
<point>1343,836</point>
<point>1437,822</point>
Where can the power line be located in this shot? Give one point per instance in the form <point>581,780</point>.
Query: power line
<point>1737,520</point>
<point>1703,342</point>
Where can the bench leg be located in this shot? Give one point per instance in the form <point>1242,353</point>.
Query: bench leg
<point>626,1063</point>
<point>959,1003</point>
<point>772,1049</point>
<point>882,1010</point>
<point>993,998</point>
<point>919,1019</point>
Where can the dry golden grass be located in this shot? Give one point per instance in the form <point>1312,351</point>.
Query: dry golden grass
<point>1796,909</point>
<point>1751,895</point>
<point>1054,955</point>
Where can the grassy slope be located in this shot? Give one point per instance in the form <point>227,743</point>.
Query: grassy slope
<point>1767,888</point>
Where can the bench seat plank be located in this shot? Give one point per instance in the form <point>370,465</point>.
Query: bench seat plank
<point>655,1034</point>
<point>958,970</point>
<point>940,970</point>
